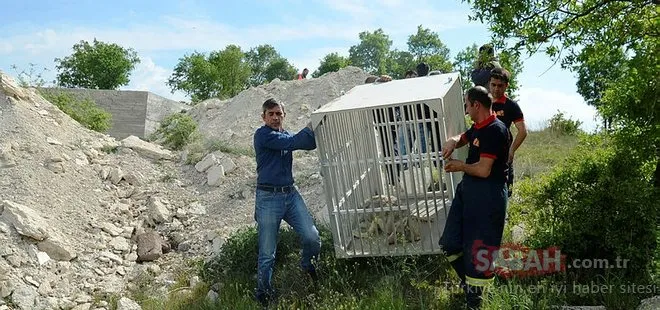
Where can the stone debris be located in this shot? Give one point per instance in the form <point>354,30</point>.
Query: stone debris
<point>83,214</point>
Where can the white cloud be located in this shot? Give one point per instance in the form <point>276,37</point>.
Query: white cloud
<point>539,105</point>
<point>312,58</point>
<point>6,48</point>
<point>150,77</point>
<point>170,34</point>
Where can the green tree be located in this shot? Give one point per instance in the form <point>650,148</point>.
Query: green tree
<point>398,62</point>
<point>267,64</point>
<point>331,63</point>
<point>222,74</point>
<point>511,61</point>
<point>97,66</point>
<point>579,34</point>
<point>600,70</point>
<point>463,62</point>
<point>427,47</point>
<point>465,59</point>
<point>195,76</point>
<point>371,54</point>
<point>233,70</point>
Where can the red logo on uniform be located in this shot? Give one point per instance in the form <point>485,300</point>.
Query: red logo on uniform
<point>475,142</point>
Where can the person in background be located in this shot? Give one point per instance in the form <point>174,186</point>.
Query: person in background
<point>387,134</point>
<point>486,61</point>
<point>277,198</point>
<point>423,69</point>
<point>303,75</point>
<point>410,74</point>
<point>509,112</point>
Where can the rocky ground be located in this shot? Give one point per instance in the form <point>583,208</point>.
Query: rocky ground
<point>84,216</point>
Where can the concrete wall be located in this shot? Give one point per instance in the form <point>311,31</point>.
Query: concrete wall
<point>135,113</point>
<point>158,108</point>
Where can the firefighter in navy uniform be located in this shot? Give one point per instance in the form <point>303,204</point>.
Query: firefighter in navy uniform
<point>509,112</point>
<point>476,219</point>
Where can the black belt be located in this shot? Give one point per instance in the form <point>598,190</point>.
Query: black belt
<point>276,189</point>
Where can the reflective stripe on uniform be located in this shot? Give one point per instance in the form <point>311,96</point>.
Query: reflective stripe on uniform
<point>479,282</point>
<point>454,257</point>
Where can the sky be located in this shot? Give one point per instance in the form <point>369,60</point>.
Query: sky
<point>303,31</point>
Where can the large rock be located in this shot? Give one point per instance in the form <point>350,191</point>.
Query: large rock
<point>120,244</point>
<point>26,221</point>
<point>116,175</point>
<point>24,297</point>
<point>215,175</point>
<point>57,249</point>
<point>149,246</point>
<point>125,303</point>
<point>111,229</point>
<point>652,303</point>
<point>146,149</point>
<point>11,88</point>
<point>227,164</point>
<point>206,163</point>
<point>158,211</point>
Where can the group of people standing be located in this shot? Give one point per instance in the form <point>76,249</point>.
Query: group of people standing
<point>477,213</point>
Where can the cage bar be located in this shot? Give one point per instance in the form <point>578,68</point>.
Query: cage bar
<point>379,149</point>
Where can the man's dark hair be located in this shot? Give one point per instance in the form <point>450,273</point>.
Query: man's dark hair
<point>411,73</point>
<point>480,93</point>
<point>423,69</point>
<point>500,74</point>
<point>271,103</point>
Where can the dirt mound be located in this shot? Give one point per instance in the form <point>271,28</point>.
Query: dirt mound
<point>82,215</point>
<point>235,120</point>
<point>72,202</point>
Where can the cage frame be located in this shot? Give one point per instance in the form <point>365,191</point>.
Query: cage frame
<point>340,119</point>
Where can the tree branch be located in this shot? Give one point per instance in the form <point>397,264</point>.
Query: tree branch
<point>525,19</point>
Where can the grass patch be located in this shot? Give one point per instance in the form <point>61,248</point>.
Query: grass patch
<point>110,149</point>
<point>419,282</point>
<point>404,282</point>
<point>201,147</point>
<point>226,147</point>
<point>541,151</point>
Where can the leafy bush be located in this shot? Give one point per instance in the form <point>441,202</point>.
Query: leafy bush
<point>84,111</point>
<point>176,131</point>
<point>562,126</point>
<point>598,204</point>
<point>358,283</point>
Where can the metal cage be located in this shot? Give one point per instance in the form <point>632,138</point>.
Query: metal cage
<point>379,149</point>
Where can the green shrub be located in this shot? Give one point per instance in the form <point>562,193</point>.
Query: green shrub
<point>397,282</point>
<point>176,131</point>
<point>563,126</point>
<point>84,110</point>
<point>598,204</point>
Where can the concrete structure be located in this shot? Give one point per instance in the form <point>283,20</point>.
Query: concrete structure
<point>135,113</point>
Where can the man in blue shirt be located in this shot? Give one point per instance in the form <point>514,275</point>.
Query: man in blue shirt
<point>277,198</point>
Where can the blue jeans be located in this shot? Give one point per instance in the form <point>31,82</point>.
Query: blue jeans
<point>270,209</point>
<point>411,138</point>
